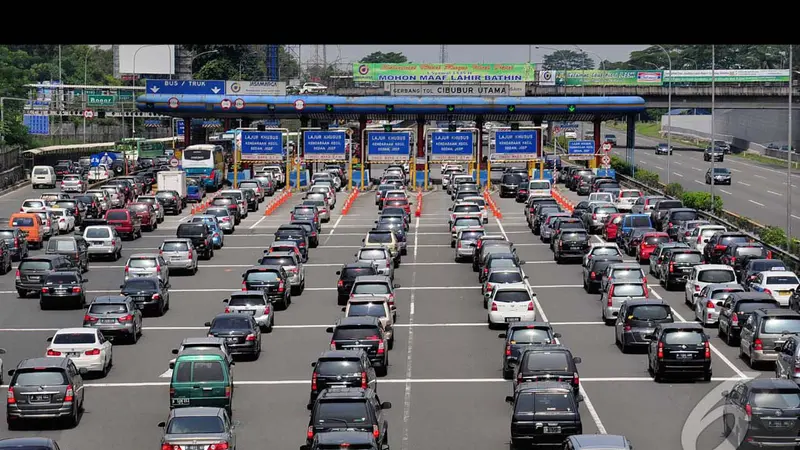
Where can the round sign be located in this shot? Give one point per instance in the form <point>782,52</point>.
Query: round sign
<point>299,104</point>
<point>607,147</point>
<point>239,103</point>
<point>225,104</point>
<point>174,162</point>
<point>297,160</point>
<point>173,102</point>
<point>88,113</point>
<point>605,159</point>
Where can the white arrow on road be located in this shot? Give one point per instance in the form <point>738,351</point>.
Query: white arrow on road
<point>154,89</point>
<point>215,90</point>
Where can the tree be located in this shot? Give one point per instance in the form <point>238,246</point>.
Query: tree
<point>389,57</point>
<point>691,57</point>
<point>227,62</point>
<point>568,59</point>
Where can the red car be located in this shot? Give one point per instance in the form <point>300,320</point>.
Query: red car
<point>126,222</point>
<point>611,226</point>
<point>147,213</point>
<point>398,203</point>
<point>649,243</point>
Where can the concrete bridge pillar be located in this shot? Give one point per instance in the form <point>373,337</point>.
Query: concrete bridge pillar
<point>598,141</point>
<point>420,144</point>
<point>479,152</point>
<point>187,131</point>
<point>630,139</point>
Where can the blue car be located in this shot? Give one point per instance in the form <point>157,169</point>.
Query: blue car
<point>195,190</point>
<point>217,236</point>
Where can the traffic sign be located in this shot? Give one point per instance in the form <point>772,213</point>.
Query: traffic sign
<point>102,158</point>
<point>452,146</point>
<point>296,160</point>
<point>225,104</point>
<point>198,87</point>
<point>299,104</point>
<point>180,128</point>
<point>238,103</point>
<point>173,162</point>
<point>94,160</point>
<point>324,145</point>
<point>88,113</point>
<point>388,147</point>
<point>173,102</point>
<point>516,145</point>
<point>607,147</point>
<point>261,145</point>
<point>580,150</point>
<point>606,160</point>
<point>101,100</point>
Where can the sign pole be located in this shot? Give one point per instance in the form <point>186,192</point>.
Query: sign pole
<point>350,163</point>
<point>297,159</point>
<point>363,156</point>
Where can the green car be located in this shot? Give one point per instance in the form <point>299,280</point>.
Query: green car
<point>201,377</point>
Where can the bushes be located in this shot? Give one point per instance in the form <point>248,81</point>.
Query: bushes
<point>702,201</point>
<point>774,236</point>
<point>620,165</point>
<point>674,190</point>
<point>647,177</point>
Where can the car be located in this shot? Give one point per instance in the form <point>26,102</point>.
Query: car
<point>373,307</point>
<point>509,184</point>
<point>125,222</point>
<point>701,235</point>
<point>511,302</point>
<point>296,237</point>
<point>546,229</point>
<point>380,257</point>
<point>74,248</point>
<point>64,220</point>
<point>363,332</point>
<point>737,256</point>
<point>254,303</point>
<point>17,244</point>
<point>486,247</point>
<point>594,268</point>
<point>597,442</point>
<point>308,212</point>
<point>603,249</point>
<point>394,225</point>
<point>570,243</point>
<point>43,176</point>
<point>617,292</point>
<point>686,228</point>
<point>251,198</point>
<point>548,362</point>
<point>225,219</point>
<point>552,406</point>
<point>672,219</point>
<point>179,254</point>
<point>717,153</point>
<point>621,271</point>
<point>386,239</point>
<point>171,202</point>
<point>203,426</point>
<point>341,368</point>
<point>347,277</point>
<point>114,316</point>
<point>663,149</point>
<point>497,257</point>
<point>33,270</point>
<point>273,280</point>
<point>149,293</point>
<point>498,276</point>
<point>201,236</point>
<point>638,318</point>
<point>521,336</point>
<point>87,348</point>
<point>702,275</point>
<point>241,332</point>
<point>373,287</point>
<point>781,285</point>
<point>211,344</point>
<point>735,310</point>
<point>465,242</point>
<point>763,329</point>
<point>146,213</point>
<point>755,411</point>
<point>74,183</point>
<point>201,377</point>
<point>293,266</point>
<point>626,199</point>
<point>462,208</point>
<point>648,243</point>
<point>678,348</point>
<point>788,363</point>
<point>349,409</point>
<point>63,289</point>
<point>676,266</point>
<point>45,388</point>
<point>707,302</point>
<point>146,265</point>
<point>28,443</point>
<point>311,230</point>
<point>721,175</point>
<point>104,241</point>
<point>214,229</point>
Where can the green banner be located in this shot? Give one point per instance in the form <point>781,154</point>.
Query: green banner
<point>101,100</point>
<point>453,73</point>
<point>610,78</point>
<point>728,76</point>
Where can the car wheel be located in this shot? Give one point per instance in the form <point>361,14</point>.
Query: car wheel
<point>22,293</point>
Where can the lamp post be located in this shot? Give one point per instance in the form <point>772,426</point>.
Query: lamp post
<point>191,61</point>
<point>693,61</point>
<point>85,83</point>
<point>3,115</point>
<point>133,81</point>
<point>713,107</point>
<point>789,159</point>
<point>602,61</point>
<point>563,59</point>
<point>669,110</point>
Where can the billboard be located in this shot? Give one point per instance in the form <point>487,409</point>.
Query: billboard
<point>261,145</point>
<point>452,146</point>
<point>728,76</point>
<point>146,59</point>
<point>458,90</point>
<point>610,77</point>
<point>450,73</point>
<point>324,145</point>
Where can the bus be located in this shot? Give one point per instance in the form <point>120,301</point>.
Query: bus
<point>135,148</point>
<point>206,162</point>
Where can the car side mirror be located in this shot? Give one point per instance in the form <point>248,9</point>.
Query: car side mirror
<point>225,300</point>
<point>509,399</point>
<point>577,359</point>
<point>522,263</point>
<point>344,308</point>
<point>329,330</point>
<point>502,335</point>
<point>395,286</point>
<point>50,339</point>
<point>122,286</point>
<point>579,398</point>
<point>557,335</point>
<point>207,324</point>
<point>174,351</point>
<point>386,405</point>
<point>778,348</point>
<point>705,241</point>
<point>720,303</point>
<point>309,406</point>
<point>724,394</point>
<point>313,364</point>
<point>83,371</point>
<point>162,424</point>
<point>338,272</point>
<point>172,365</point>
<point>648,337</point>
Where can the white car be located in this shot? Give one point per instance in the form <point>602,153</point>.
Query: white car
<point>605,197</point>
<point>701,235</point>
<point>65,220</point>
<point>32,204</point>
<point>481,202</point>
<point>511,302</point>
<point>626,199</point>
<point>604,249</point>
<point>86,347</point>
<point>777,283</point>
<point>313,88</point>
<point>539,188</point>
<point>99,173</point>
<point>704,274</point>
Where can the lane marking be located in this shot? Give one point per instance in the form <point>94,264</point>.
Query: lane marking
<point>795,217</point>
<point>658,167</point>
<point>759,176</point>
<point>332,229</point>
<point>258,222</point>
<point>697,169</point>
<point>755,202</point>
<point>744,184</point>
<point>775,193</point>
<point>677,174</point>
<point>700,182</point>
<point>677,163</point>
<point>416,237</point>
<point>407,388</point>
<point>502,230</point>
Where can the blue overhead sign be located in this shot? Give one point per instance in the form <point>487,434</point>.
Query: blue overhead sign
<point>387,146</point>
<point>261,145</point>
<point>580,150</point>
<point>324,145</point>
<point>200,87</point>
<point>36,124</point>
<point>516,145</point>
<point>451,146</point>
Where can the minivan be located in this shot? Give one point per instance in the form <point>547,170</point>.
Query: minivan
<point>201,377</point>
<point>43,176</point>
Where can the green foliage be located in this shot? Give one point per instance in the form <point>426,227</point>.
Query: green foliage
<point>647,177</point>
<point>567,59</point>
<point>702,201</point>
<point>674,190</point>
<point>774,236</point>
<point>388,57</point>
<point>620,165</point>
<point>14,132</point>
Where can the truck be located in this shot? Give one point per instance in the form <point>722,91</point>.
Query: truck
<point>172,180</point>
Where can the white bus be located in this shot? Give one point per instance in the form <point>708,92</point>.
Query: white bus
<point>205,162</point>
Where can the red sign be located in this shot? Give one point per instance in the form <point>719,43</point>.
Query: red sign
<point>239,103</point>
<point>299,104</point>
<point>88,113</point>
<point>173,102</point>
<point>225,104</point>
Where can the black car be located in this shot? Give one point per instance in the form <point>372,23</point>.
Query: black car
<point>674,218</point>
<point>149,293</point>
<point>544,412</point>
<point>347,276</point>
<point>349,409</point>
<point>509,185</point>
<point>170,201</point>
<point>298,237</point>
<point>365,333</point>
<point>548,363</point>
<point>570,243</point>
<point>28,443</point>
<point>679,348</point>
<point>272,279</point>
<point>633,239</point>
<point>62,289</point>
<point>719,242</point>
<point>638,318</point>
<point>495,260</point>
<point>736,309</point>
<point>33,270</point>
<point>763,413</point>
<point>660,210</point>
<point>75,248</point>
<point>737,255</point>
<point>678,267</point>
<point>241,333</point>
<point>341,368</point>
<point>564,223</point>
<point>5,257</point>
<point>17,242</point>
<point>93,209</point>
<point>541,213</point>
<point>200,235</point>
<point>523,335</point>
<point>298,231</point>
<point>251,198</point>
<point>593,271</point>
<point>486,246</point>
<point>338,440</point>
<point>311,230</point>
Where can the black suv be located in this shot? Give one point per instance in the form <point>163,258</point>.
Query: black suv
<point>593,271</point>
<point>17,242</point>
<point>200,235</point>
<point>34,269</point>
<point>347,276</point>
<point>736,309</point>
<point>272,279</point>
<point>719,242</point>
<point>544,413</point>
<point>679,348</point>
<point>678,267</point>
<point>170,201</point>
<point>45,388</point>
<point>523,335</point>
<point>362,332</point>
<point>763,413</point>
<point>75,248</point>
<point>338,440</point>
<point>63,288</point>
<point>570,243</point>
<point>548,363</point>
<point>349,409</point>
<point>509,185</point>
<point>342,368</point>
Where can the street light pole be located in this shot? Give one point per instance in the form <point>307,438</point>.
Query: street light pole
<point>191,61</point>
<point>789,159</point>
<point>695,62</point>
<point>713,107</point>
<point>85,83</point>
<point>669,111</point>
<point>602,61</point>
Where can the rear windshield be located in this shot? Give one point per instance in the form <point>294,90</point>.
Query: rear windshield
<point>52,377</point>
<point>246,300</point>
<point>140,208</point>
<point>203,371</point>
<point>366,333</point>
<point>353,272</point>
<point>655,240</point>
<point>747,307</point>
<point>217,212</point>
<point>277,261</point>
<point>553,361</point>
<point>628,290</point>
<point>108,308</point>
<point>466,208</point>
<point>471,235</point>
<point>512,297</point>
<point>74,338</point>
<point>574,236</point>
<point>40,171</point>
<point>117,215</point>
<point>781,324</point>
<point>304,211</point>
<point>505,277</point>
<point>140,285</point>
<point>35,265</point>
<point>728,240</point>
<point>684,215</point>
<point>371,288</point>
<point>61,246</point>
<point>720,294</point>
<point>175,247</point>
<point>230,323</point>
<point>467,222</point>
<point>539,185</point>
<point>338,367</point>
<point>716,276</point>
<point>266,276</point>
<point>317,200</point>
<point>782,279</point>
<point>191,230</point>
<point>690,337</point>
<point>686,257</point>
<point>606,210</point>
<point>142,263</point>
<point>6,235</point>
<point>61,279</point>
<point>391,219</point>
<point>22,222</point>
<point>776,399</point>
<point>98,233</point>
<point>531,336</point>
<point>650,312</point>
<point>380,238</point>
<point>196,425</point>
<point>367,309</point>
<point>600,251</point>
<point>628,194</point>
<point>668,204</point>
<point>372,254</point>
<point>573,225</point>
<point>628,274</point>
<point>638,222</point>
<point>548,402</point>
<point>511,179</point>
<point>502,262</point>
<point>340,414</point>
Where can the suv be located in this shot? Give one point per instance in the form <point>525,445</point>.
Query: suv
<point>764,330</point>
<point>45,388</point>
<point>34,269</point>
<point>273,280</point>
<point>291,264</point>
<point>521,336</point>
<point>17,242</point>
<point>762,412</point>
<point>347,277</point>
<point>62,289</point>
<point>545,412</point>
<point>572,243</point>
<point>676,265</point>
<point>365,332</point>
<point>509,185</point>
<point>200,236</point>
<point>548,363</point>
<point>679,348</point>
<point>335,403</point>
<point>126,222</point>
<point>341,368</point>
<point>103,241</point>
<point>717,244</point>
<point>115,315</point>
<point>75,248</point>
<point>594,269</point>
<point>201,378</point>
<point>638,318</point>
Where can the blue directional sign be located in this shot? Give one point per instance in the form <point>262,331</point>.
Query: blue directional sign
<point>324,146</point>
<point>102,158</point>
<point>180,129</point>
<point>451,146</point>
<point>580,150</point>
<point>261,145</point>
<point>516,145</point>
<point>36,124</point>
<point>388,147</point>
<point>94,160</point>
<point>200,87</point>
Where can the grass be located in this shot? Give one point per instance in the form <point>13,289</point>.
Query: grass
<point>766,160</point>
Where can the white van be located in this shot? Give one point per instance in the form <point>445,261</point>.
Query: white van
<point>43,176</point>
<point>539,188</point>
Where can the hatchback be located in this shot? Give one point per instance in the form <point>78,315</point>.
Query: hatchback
<point>637,319</point>
<point>705,305</point>
<point>617,292</point>
<point>511,302</point>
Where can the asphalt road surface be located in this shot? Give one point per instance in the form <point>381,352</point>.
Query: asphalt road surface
<point>756,191</point>
<point>444,379</point>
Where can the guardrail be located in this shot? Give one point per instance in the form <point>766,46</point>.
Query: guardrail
<point>349,202</point>
<point>277,201</point>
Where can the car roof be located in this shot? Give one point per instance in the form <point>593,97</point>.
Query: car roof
<point>779,383</point>
<point>778,272</point>
<point>341,354</point>
<point>47,362</point>
<point>343,392</point>
<point>600,441</point>
<point>41,257</point>
<point>713,267</point>
<point>511,287</point>
<point>194,411</point>
<point>280,254</point>
<point>29,441</point>
<point>538,386</point>
<point>681,326</point>
<point>184,240</point>
<point>210,340</point>
<point>626,265</point>
<point>646,302</point>
<point>143,256</point>
<point>264,267</point>
<point>74,330</point>
<point>357,320</point>
<point>110,299</point>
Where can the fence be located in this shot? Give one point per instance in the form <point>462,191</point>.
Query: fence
<point>11,170</point>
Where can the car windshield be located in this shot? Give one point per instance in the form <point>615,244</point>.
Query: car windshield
<point>52,377</point>
<point>531,336</point>
<point>508,296</point>
<point>683,215</point>
<point>547,361</point>
<point>74,338</point>
<point>650,312</point>
<point>263,276</point>
<point>61,279</point>
<point>175,247</point>
<point>776,399</point>
<point>358,333</point>
<point>600,251</point>
<point>353,272</point>
<point>655,240</point>
<point>689,337</point>
<point>142,263</point>
<point>627,274</point>
<point>230,323</point>
<point>779,325</point>
<point>716,276</point>
<point>782,279</point>
<point>380,238</point>
<point>108,308</point>
<point>372,255</point>
<point>35,265</point>
<point>371,288</point>
<point>116,215</point>
<point>246,300</point>
<point>686,257</point>
<point>341,414</point>
<point>367,309</point>
<point>638,222</point>
<point>196,425</point>
<point>338,367</point>
<point>628,290</point>
<point>140,285</point>
<point>505,277</point>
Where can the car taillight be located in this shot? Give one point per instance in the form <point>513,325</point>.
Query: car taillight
<point>281,287</point>
<point>671,267</point>
<point>381,348</point>
<point>92,352</point>
<point>720,247</point>
<point>16,242</point>
<point>485,270</point>
<point>660,350</point>
<point>127,318</point>
<point>363,380</point>
<point>530,306</point>
<point>88,318</point>
<point>314,381</point>
<point>733,260</point>
<point>76,290</point>
<point>627,327</point>
<point>16,274</point>
<point>758,344</point>
<point>735,319</point>
<point>494,306</point>
<point>748,410</point>
<point>769,253</point>
<point>69,395</point>
<point>508,350</point>
<point>594,216</point>
<point>244,285</point>
<point>340,283</point>
<point>51,352</point>
<point>710,305</point>
<point>333,345</point>
<point>708,350</point>
<point>376,432</point>
<point>576,380</point>
<point>697,288</point>
<point>699,239</point>
<point>127,269</point>
<point>227,310</point>
<point>610,294</point>
<point>489,287</point>
<point>10,396</point>
<point>459,244</point>
<point>191,254</point>
<point>767,291</point>
<point>250,338</point>
<point>44,290</point>
<point>228,392</point>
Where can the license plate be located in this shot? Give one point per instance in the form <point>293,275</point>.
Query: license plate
<point>193,447</point>
<point>232,339</point>
<point>180,401</point>
<point>175,258</point>
<point>780,423</point>
<point>552,430</point>
<point>73,354</point>
<point>512,319</point>
<point>108,320</point>
<point>683,355</point>
<point>95,243</point>
<point>61,291</point>
<point>252,312</point>
<point>34,278</point>
<point>784,292</point>
<point>39,398</point>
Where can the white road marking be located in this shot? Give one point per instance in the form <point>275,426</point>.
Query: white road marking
<point>258,222</point>
<point>697,169</point>
<point>795,217</point>
<point>407,389</point>
<point>743,184</point>
<point>677,163</point>
<point>725,192</point>
<point>759,176</point>
<point>755,202</point>
<point>699,182</point>
<point>658,167</point>
<point>416,237</point>
<point>677,174</point>
<point>775,193</point>
<point>503,230</point>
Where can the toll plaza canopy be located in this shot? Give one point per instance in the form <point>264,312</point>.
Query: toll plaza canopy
<point>405,108</point>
